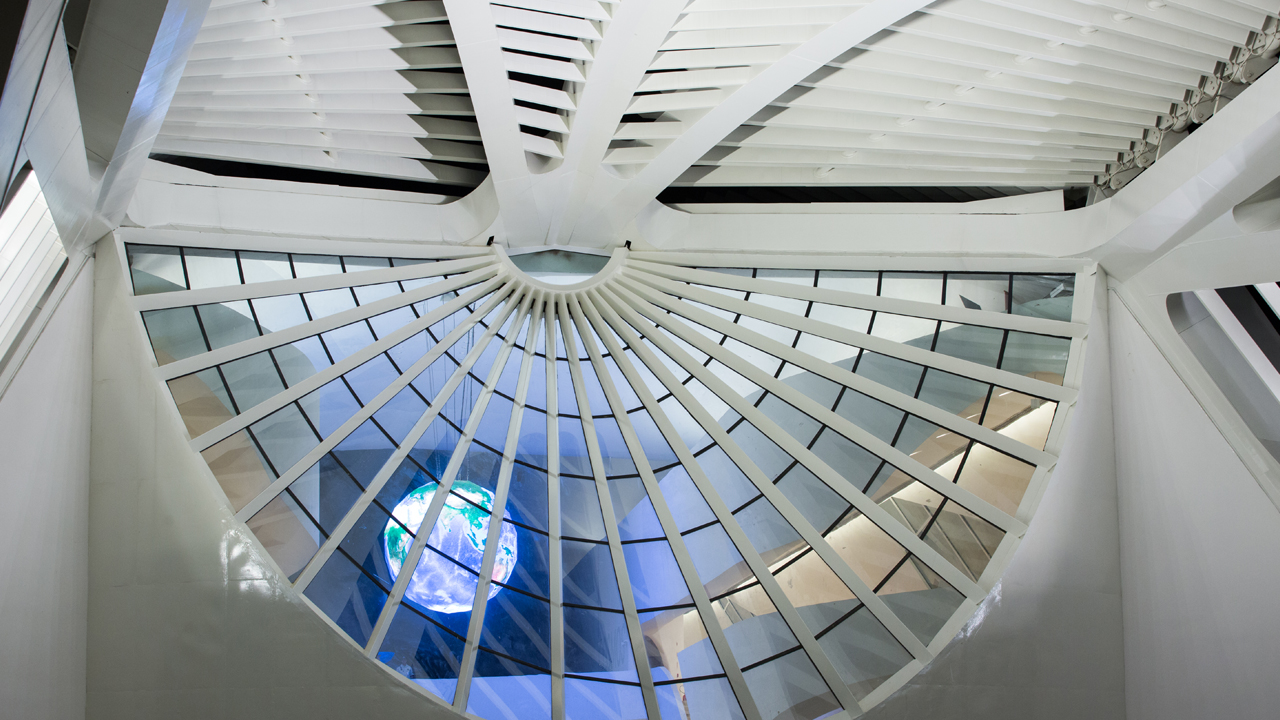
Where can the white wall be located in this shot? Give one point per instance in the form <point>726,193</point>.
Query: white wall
<point>44,500</point>
<point>186,616</point>
<point>1199,545</point>
<point>1047,643</point>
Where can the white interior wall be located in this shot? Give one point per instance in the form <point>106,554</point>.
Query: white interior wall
<point>44,483</point>
<point>1198,540</point>
<point>187,617</point>
<point>1048,642</point>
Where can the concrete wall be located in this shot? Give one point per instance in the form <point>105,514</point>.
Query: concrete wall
<point>1199,542</point>
<point>1048,642</point>
<point>186,616</point>
<point>44,501</point>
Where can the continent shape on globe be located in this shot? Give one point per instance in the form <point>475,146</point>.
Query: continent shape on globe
<point>460,533</point>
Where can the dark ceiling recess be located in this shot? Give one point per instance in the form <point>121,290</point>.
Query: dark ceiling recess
<point>11,15</point>
<point>1074,197</point>
<point>231,168</point>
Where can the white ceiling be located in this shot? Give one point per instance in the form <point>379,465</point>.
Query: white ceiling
<point>1039,93</point>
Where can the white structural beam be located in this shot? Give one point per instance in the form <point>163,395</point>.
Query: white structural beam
<point>737,108</point>
<point>629,45</point>
<point>496,112</point>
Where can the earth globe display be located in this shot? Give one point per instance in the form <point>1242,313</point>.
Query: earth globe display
<point>438,584</point>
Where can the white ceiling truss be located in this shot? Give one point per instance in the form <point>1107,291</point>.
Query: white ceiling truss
<point>605,104</point>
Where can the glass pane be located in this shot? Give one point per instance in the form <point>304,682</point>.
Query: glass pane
<point>505,690</point>
<point>711,699</point>
<point>587,700</point>
<point>995,477</point>
<point>280,312</point>
<point>596,645</point>
<point>211,268</point>
<point>239,468</point>
<point>422,651</point>
<point>265,267</point>
<point>348,596</point>
<point>588,575</point>
<point>202,401</point>
<point>287,533</point>
<point>790,687</point>
<point>970,342</point>
<point>921,599</point>
<point>633,510</point>
<point>1038,356</point>
<point>1046,296</point>
<point>863,652</point>
<point>978,291</point>
<point>155,269</point>
<point>227,323</point>
<point>917,286</point>
<point>175,334</point>
<point>654,574</point>
<point>1024,418</point>
<point>865,283</point>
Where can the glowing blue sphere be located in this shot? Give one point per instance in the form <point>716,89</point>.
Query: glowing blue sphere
<point>460,533</point>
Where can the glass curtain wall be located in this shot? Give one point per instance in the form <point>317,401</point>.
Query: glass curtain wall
<point>674,493</point>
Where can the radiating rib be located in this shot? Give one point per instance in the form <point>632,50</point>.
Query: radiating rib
<point>614,316</point>
<point>610,519</point>
<point>854,339</point>
<point>690,573</point>
<point>481,602</point>
<point>900,400</point>
<point>410,563</point>
<point>408,376</point>
<point>244,348</point>
<point>852,432</point>
<point>945,313</point>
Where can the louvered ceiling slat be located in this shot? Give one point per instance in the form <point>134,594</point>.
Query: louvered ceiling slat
<point>542,67</point>
<point>926,91</point>
<point>935,27</point>
<point>336,102</point>
<point>785,157</point>
<point>957,78</point>
<point>1037,92</point>
<point>924,53</point>
<point>407,125</point>
<point>809,137</point>
<point>763,17</point>
<point>589,9</point>
<point>521,19</point>
<point>1179,49</point>
<point>750,176</point>
<point>402,146</point>
<point>420,58</point>
<point>400,36</point>
<point>404,81</point>
<point>315,159</point>
<point>276,25</point>
<point>543,44</point>
<point>903,108</point>
<point>1168,25</point>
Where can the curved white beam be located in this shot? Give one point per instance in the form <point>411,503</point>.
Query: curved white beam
<point>490,89</point>
<point>621,206</point>
<point>630,43</point>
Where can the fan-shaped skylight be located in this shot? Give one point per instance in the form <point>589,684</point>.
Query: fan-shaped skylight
<point>723,492</point>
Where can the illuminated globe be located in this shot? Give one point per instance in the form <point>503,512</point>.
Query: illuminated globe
<point>438,584</point>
